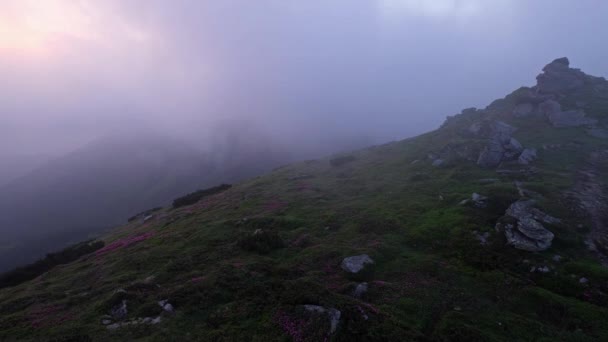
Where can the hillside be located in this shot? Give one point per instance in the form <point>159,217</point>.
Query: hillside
<point>491,228</point>
<point>102,184</point>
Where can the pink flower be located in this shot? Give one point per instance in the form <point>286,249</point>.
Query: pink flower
<point>124,242</point>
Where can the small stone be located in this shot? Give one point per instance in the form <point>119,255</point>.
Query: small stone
<point>106,321</point>
<point>355,264</point>
<point>583,280</point>
<point>438,162</point>
<point>457,308</point>
<point>557,258</point>
<point>360,290</point>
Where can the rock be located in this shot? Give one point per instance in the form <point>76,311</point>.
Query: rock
<point>499,144</point>
<point>543,269</point>
<point>523,110</point>
<point>570,118</point>
<point>512,149</point>
<point>558,78</point>
<point>492,154</point>
<point>106,321</point>
<point>583,280</point>
<point>355,264</point>
<point>360,290</point>
<point>523,229</point>
<point>599,133</point>
<point>113,326</point>
<point>527,156</point>
<point>156,320</point>
<point>550,107</point>
<point>483,238</point>
<point>478,200</point>
<point>119,312</point>
<point>166,305</point>
<point>438,162</point>
<point>333,315</point>
<point>557,258</point>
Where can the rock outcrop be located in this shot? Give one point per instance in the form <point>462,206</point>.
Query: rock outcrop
<point>558,77</point>
<point>501,145</point>
<point>522,225</point>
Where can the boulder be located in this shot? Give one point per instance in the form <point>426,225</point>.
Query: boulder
<point>570,118</point>
<point>559,78</point>
<point>360,290</point>
<point>527,156</point>
<point>550,107</point>
<point>479,201</point>
<point>500,145</point>
<point>355,264</point>
<point>332,314</point>
<point>523,228</point>
<point>523,110</point>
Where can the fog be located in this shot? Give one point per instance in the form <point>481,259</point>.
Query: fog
<point>301,72</point>
<point>137,101</point>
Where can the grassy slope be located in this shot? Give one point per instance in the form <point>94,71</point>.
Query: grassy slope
<point>432,281</point>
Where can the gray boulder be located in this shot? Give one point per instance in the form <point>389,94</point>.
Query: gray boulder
<point>558,78</point>
<point>360,290</point>
<point>570,118</point>
<point>527,156</point>
<point>500,145</point>
<point>355,264</point>
<point>332,314</point>
<point>523,227</point>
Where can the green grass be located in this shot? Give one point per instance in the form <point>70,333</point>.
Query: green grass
<point>432,279</point>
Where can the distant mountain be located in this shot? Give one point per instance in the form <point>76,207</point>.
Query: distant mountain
<point>103,183</point>
<point>15,166</point>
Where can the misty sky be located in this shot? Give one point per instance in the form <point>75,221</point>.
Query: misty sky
<point>300,70</point>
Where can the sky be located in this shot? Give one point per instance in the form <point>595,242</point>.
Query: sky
<point>303,72</point>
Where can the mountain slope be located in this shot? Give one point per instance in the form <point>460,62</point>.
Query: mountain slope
<point>272,258</point>
<point>100,185</point>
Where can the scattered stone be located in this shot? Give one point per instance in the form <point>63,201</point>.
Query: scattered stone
<point>557,258</point>
<point>415,162</point>
<point>479,201</point>
<point>583,280</point>
<point>166,305</point>
<point>119,312</point>
<point>355,264</point>
<point>523,229</point>
<point>570,118</point>
<point>438,162</point>
<point>523,110</point>
<point>527,156</point>
<point>543,269</point>
<point>106,321</point>
<point>333,315</point>
<point>360,290</point>
<point>483,238</point>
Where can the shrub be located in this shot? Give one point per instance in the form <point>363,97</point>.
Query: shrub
<point>31,271</point>
<point>198,195</point>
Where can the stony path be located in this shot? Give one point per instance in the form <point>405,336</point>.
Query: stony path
<point>592,200</point>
